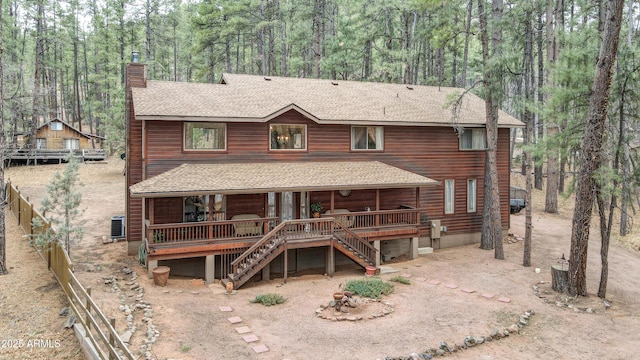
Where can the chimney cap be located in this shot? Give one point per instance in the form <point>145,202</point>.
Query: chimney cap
<point>135,55</point>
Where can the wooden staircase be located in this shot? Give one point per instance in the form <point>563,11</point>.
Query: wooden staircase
<point>291,233</point>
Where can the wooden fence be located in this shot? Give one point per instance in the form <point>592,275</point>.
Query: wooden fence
<point>99,329</point>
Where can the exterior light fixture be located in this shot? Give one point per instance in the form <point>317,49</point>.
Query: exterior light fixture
<point>135,56</point>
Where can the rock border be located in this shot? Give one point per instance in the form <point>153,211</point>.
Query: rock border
<point>469,341</point>
<point>388,309</point>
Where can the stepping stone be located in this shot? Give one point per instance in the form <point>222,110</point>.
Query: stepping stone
<point>250,338</point>
<point>467,290</point>
<point>225,308</point>
<point>487,295</point>
<point>421,279</point>
<point>504,300</point>
<point>235,319</point>
<point>434,282</point>
<point>260,348</point>
<point>243,330</point>
<point>452,286</point>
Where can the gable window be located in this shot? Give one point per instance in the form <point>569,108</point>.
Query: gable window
<point>288,137</point>
<point>471,195</point>
<point>367,138</point>
<point>473,139</point>
<point>449,185</point>
<point>204,136</point>
<point>57,126</point>
<point>71,144</point>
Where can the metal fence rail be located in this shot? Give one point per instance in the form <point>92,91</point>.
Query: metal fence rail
<point>100,330</point>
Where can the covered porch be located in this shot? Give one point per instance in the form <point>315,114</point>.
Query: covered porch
<point>204,210</point>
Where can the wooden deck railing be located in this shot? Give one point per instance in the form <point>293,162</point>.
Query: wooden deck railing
<point>302,229</point>
<point>209,230</point>
<point>351,239</point>
<point>378,219</point>
<point>232,230</point>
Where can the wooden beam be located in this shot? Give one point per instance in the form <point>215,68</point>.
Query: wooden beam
<point>377,207</point>
<point>152,212</point>
<point>333,192</point>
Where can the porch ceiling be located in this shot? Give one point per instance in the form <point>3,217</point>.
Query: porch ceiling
<point>250,178</point>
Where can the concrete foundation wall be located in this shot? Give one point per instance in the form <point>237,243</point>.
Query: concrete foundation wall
<point>392,249</point>
<point>132,247</point>
<point>448,241</point>
<point>305,259</point>
<point>190,267</point>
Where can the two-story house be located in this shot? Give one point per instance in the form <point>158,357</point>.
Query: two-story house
<point>227,177</point>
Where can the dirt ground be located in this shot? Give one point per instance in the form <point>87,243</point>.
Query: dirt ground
<point>192,325</point>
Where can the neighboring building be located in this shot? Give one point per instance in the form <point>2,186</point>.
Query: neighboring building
<point>55,140</point>
<point>227,175</point>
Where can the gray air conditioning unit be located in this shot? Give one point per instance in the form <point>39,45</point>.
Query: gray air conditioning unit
<point>117,227</point>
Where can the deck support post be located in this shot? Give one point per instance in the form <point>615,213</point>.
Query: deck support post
<point>151,264</point>
<point>266,272</point>
<point>376,245</point>
<point>209,268</point>
<point>413,248</point>
<point>331,261</point>
<point>286,261</point>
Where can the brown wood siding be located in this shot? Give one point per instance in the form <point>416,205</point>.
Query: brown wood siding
<point>168,210</point>
<point>429,151</point>
<point>55,138</point>
<point>135,78</point>
<point>246,204</point>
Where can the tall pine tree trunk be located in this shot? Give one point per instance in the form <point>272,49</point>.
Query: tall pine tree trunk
<point>467,35</point>
<point>3,234</point>
<point>37,77</point>
<point>492,224</point>
<point>529,78</point>
<point>555,13</point>
<point>592,152</point>
<point>538,129</point>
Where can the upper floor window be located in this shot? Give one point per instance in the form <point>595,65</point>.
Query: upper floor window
<point>367,138</point>
<point>473,139</point>
<point>204,136</point>
<point>56,126</point>
<point>288,137</point>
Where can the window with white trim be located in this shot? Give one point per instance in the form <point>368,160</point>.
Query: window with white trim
<point>449,186</point>
<point>367,138</point>
<point>71,144</point>
<point>41,143</point>
<point>288,137</point>
<point>473,139</point>
<point>205,136</point>
<point>56,126</point>
<point>471,195</point>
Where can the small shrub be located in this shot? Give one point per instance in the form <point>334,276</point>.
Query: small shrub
<point>185,348</point>
<point>268,299</point>
<point>372,288</point>
<point>401,280</point>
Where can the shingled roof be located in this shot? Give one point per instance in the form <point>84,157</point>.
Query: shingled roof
<point>248,178</point>
<point>251,98</point>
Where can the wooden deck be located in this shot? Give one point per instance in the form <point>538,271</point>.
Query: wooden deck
<point>55,155</point>
<point>209,237</point>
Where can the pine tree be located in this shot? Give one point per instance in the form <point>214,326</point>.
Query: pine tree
<point>61,206</point>
<point>592,149</point>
